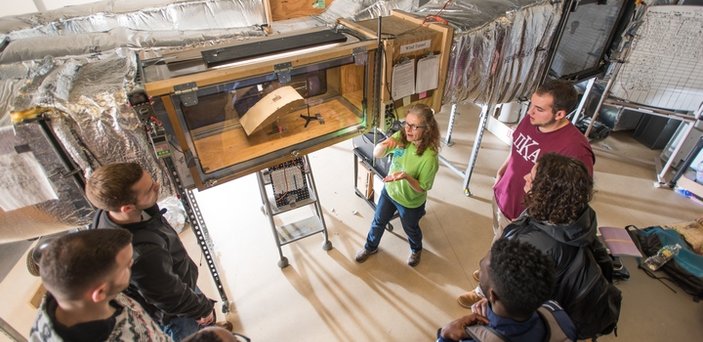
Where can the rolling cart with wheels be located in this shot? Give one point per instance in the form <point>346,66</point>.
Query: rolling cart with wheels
<point>286,188</point>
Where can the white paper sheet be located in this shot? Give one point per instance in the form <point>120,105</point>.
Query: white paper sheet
<point>427,73</point>
<point>403,81</point>
<point>23,182</point>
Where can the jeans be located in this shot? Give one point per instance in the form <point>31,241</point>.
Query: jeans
<point>180,327</point>
<point>409,218</point>
<point>500,221</point>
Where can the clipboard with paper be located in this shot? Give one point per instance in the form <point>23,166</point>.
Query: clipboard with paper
<point>427,73</point>
<point>403,79</point>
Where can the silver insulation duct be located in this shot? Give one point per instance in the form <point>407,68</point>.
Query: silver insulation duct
<point>79,63</point>
<point>500,47</point>
<point>84,100</point>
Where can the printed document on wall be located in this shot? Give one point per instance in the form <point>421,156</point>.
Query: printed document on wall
<point>23,182</point>
<point>427,73</point>
<point>403,81</point>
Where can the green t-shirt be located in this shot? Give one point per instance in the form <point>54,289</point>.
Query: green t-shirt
<point>423,168</point>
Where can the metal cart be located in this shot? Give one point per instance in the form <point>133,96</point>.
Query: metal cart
<point>377,167</point>
<point>287,187</point>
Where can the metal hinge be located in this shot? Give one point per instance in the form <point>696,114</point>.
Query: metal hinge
<point>187,92</point>
<point>283,72</point>
<point>189,158</point>
<point>360,55</point>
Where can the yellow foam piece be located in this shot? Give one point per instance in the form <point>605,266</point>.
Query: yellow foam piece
<point>31,113</point>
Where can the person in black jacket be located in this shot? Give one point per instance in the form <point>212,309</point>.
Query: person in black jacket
<point>163,275</point>
<point>559,222</point>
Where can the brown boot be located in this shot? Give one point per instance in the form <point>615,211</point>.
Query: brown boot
<point>364,254</point>
<point>468,299</point>
<point>414,258</point>
<point>225,325</point>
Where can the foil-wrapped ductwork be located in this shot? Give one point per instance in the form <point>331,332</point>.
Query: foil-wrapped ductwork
<point>500,47</point>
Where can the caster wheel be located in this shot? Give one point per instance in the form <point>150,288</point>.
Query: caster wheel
<point>327,245</point>
<point>32,265</point>
<point>283,262</point>
<point>389,227</point>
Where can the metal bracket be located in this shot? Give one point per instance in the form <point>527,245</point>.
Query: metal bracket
<point>189,158</point>
<point>187,92</point>
<point>361,55</point>
<point>283,72</point>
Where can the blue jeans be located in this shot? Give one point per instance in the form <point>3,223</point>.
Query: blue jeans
<point>409,218</point>
<point>180,327</point>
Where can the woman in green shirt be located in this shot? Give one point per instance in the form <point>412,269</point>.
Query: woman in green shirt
<point>411,174</point>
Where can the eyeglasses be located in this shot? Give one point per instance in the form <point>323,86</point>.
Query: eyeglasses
<point>412,127</point>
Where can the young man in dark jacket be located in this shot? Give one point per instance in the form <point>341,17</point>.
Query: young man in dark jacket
<point>163,275</point>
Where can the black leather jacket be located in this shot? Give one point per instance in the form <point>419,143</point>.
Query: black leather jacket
<point>163,275</point>
<point>583,266</point>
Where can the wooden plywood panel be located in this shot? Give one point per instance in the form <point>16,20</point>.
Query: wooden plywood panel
<point>409,37</point>
<point>288,9</point>
<point>276,104</point>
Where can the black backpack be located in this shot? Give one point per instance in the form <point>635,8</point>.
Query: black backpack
<point>597,310</point>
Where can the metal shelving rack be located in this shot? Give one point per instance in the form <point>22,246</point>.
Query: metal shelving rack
<point>294,231</point>
<point>158,139</point>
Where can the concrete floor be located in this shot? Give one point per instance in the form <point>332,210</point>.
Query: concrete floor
<point>326,295</point>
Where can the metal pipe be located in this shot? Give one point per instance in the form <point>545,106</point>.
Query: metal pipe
<point>380,57</point>
<point>450,126</point>
<point>451,166</point>
<point>688,129</point>
<point>584,98</point>
<point>603,96</point>
<point>485,112</point>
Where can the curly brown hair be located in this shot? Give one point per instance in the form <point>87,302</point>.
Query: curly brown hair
<point>560,190</point>
<point>430,137</point>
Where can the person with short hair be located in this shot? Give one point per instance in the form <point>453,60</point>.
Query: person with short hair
<point>544,129</point>
<point>517,279</point>
<point>411,175</point>
<point>164,277</point>
<point>84,274</point>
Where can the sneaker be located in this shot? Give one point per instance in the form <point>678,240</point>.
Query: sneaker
<point>414,258</point>
<point>468,299</point>
<point>476,275</point>
<point>227,325</point>
<point>364,254</point>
